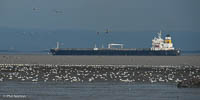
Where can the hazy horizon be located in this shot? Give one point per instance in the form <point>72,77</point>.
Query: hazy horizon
<point>36,40</point>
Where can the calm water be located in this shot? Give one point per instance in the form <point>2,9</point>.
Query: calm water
<point>95,91</point>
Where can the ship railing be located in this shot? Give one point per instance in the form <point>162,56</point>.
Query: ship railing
<point>123,49</point>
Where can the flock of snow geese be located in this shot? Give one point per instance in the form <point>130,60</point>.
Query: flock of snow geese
<point>96,73</point>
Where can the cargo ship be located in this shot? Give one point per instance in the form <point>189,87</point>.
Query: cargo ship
<point>160,47</point>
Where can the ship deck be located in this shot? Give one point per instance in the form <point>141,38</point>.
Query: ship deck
<point>125,49</point>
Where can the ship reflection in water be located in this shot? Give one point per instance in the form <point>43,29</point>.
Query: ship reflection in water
<point>111,82</point>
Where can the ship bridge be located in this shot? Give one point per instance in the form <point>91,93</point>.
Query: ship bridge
<point>159,44</point>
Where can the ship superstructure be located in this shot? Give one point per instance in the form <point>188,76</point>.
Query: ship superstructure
<point>160,47</point>
<point>159,44</point>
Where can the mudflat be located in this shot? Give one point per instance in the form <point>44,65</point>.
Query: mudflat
<point>100,60</point>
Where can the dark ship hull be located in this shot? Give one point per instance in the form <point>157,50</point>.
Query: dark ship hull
<point>114,52</point>
<point>159,47</point>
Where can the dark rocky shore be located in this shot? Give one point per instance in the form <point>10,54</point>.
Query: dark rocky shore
<point>97,73</point>
<point>192,83</point>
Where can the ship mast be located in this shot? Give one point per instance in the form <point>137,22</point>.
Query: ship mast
<point>159,34</point>
<point>57,45</point>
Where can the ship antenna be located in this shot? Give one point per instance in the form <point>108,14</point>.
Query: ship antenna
<point>102,46</point>
<point>95,46</point>
<point>160,34</point>
<point>58,45</point>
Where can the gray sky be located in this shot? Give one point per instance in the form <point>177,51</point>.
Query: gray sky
<point>120,15</point>
<point>39,24</point>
